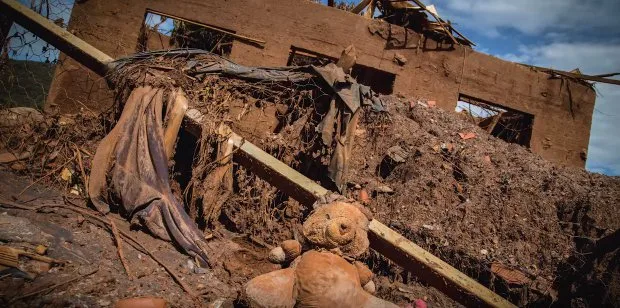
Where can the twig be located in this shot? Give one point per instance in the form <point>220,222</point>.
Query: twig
<point>133,241</point>
<point>87,213</point>
<point>79,158</point>
<point>48,174</point>
<point>54,286</point>
<point>119,247</point>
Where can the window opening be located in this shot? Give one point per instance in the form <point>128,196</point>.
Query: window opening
<point>505,123</point>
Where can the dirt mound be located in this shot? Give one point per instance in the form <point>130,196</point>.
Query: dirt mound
<point>481,201</point>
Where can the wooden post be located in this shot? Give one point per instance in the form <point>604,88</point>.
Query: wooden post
<point>360,6</point>
<point>66,42</point>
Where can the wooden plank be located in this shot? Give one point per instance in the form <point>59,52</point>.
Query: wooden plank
<point>418,2</point>
<point>66,42</point>
<point>573,75</point>
<point>370,11</point>
<point>360,6</point>
<point>235,35</point>
<point>431,269</point>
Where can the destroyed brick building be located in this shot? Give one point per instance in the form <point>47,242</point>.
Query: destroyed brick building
<point>557,111</point>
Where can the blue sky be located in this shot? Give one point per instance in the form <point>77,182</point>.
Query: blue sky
<point>561,34</point>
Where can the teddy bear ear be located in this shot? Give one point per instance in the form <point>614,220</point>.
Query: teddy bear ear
<point>364,210</point>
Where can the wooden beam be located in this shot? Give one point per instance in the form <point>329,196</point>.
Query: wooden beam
<point>235,35</point>
<point>66,42</point>
<point>360,6</point>
<point>577,76</point>
<point>370,11</point>
<point>431,269</point>
<point>419,3</point>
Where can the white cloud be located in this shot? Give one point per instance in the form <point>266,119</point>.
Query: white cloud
<point>590,58</point>
<point>531,17</point>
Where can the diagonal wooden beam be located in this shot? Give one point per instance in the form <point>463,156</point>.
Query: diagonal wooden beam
<point>360,6</point>
<point>66,42</point>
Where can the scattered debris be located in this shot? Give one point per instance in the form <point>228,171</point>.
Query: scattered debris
<point>509,275</point>
<point>468,135</point>
<point>142,302</point>
<point>400,59</point>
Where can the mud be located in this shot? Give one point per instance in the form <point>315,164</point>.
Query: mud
<point>472,202</point>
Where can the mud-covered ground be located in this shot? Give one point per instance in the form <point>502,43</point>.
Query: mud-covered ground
<point>480,204</point>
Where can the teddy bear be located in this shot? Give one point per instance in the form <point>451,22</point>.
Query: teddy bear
<point>327,273</point>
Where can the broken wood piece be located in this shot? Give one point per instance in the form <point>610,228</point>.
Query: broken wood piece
<point>434,270</point>
<point>176,111</point>
<point>56,36</point>
<point>360,6</point>
<point>347,59</point>
<point>439,20</point>
<point>218,185</point>
<point>370,11</point>
<point>8,157</point>
<point>119,248</point>
<point>232,34</point>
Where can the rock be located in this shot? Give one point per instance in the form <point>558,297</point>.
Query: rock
<point>291,248</point>
<point>428,227</point>
<point>370,287</point>
<point>363,196</point>
<point>190,265</point>
<point>277,255</point>
<point>397,154</point>
<point>400,59</point>
<point>384,189</point>
<point>420,303</point>
<point>40,249</point>
<point>140,302</point>
<point>468,135</point>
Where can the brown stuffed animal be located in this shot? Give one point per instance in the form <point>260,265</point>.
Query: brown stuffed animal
<point>341,227</point>
<point>321,278</point>
<point>316,279</point>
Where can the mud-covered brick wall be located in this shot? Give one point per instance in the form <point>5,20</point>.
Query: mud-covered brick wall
<point>432,71</point>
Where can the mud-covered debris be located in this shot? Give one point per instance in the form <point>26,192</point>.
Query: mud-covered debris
<point>400,59</point>
<point>510,275</point>
<point>384,189</point>
<point>467,135</point>
<point>142,302</point>
<point>397,154</point>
